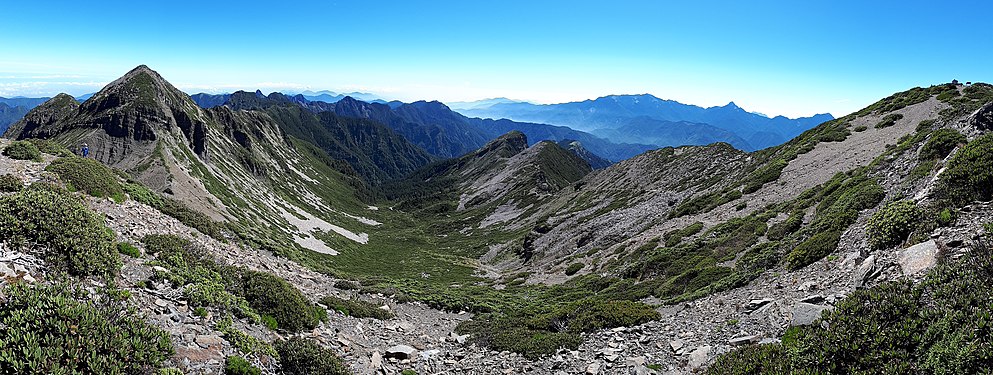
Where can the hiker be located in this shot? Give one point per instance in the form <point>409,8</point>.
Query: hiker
<point>86,150</point>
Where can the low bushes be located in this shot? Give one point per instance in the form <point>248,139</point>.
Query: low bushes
<point>537,331</point>
<point>355,308</point>
<point>245,292</point>
<point>891,225</point>
<point>51,147</point>
<point>673,238</point>
<point>786,227</point>
<point>235,365</point>
<point>968,176</point>
<point>74,238</point>
<point>573,268</point>
<point>10,184</point>
<point>89,176</point>
<point>941,142</point>
<point>273,296</point>
<point>941,325</point>
<point>299,356</point>
<point>60,329</point>
<point>889,120</point>
<point>813,249</point>
<point>22,150</point>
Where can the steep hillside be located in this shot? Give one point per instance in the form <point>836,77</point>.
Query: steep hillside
<point>235,166</point>
<point>371,149</point>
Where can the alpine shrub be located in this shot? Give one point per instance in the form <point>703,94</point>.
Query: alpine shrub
<point>89,176</point>
<point>22,150</point>
<point>74,238</point>
<point>891,225</point>
<point>10,184</point>
<point>299,356</point>
<point>968,176</point>
<point>356,308</point>
<point>942,142</point>
<point>235,365</point>
<point>60,329</point>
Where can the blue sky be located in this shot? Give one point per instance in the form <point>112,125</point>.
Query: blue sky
<point>787,57</point>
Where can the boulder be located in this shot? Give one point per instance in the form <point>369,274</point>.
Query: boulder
<point>400,352</point>
<point>744,340</point>
<point>864,273</point>
<point>918,258</point>
<point>593,368</point>
<point>755,304</point>
<point>983,118</point>
<point>699,357</point>
<point>805,313</point>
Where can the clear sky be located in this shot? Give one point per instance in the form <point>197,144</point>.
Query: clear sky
<point>784,57</point>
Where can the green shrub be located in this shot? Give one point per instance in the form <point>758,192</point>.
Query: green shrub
<point>786,227</point>
<point>128,249</point>
<point>889,120</point>
<point>245,343</point>
<point>10,184</point>
<point>946,217</point>
<point>169,371</point>
<point>861,128</point>
<point>673,238</point>
<point>941,325</point>
<point>74,238</point>
<point>140,193</point>
<point>89,176</point>
<point>299,356</point>
<point>408,372</point>
<point>22,150</point>
<point>968,176</point>
<point>192,218</point>
<point>941,142</point>
<point>541,330</point>
<point>59,328</point>
<point>273,296</point>
<point>235,365</point>
<point>891,225</point>
<point>51,147</point>
<point>356,308</point>
<point>573,268</point>
<point>813,249</point>
<point>764,175</point>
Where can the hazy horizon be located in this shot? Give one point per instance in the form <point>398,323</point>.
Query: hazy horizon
<point>793,60</point>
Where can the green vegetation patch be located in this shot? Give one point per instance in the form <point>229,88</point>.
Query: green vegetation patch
<point>89,176</point>
<point>891,225</point>
<point>61,329</point>
<point>300,356</point>
<point>51,147</point>
<point>888,120</point>
<point>968,176</point>
<point>573,268</point>
<point>356,308</point>
<point>22,150</point>
<point>235,365</point>
<point>941,325</point>
<point>74,238</point>
<point>245,292</point>
<point>940,144</point>
<point>10,184</point>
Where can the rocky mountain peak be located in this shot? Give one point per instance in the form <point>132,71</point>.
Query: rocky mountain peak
<point>506,145</point>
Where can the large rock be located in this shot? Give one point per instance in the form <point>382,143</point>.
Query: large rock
<point>865,271</point>
<point>700,356</point>
<point>918,258</point>
<point>400,352</point>
<point>983,118</point>
<point>806,313</point>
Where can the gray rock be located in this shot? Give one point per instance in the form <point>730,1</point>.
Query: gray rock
<point>376,360</point>
<point>864,272</point>
<point>676,346</point>
<point>918,258</point>
<point>593,368</point>
<point>400,352</point>
<point>699,357</point>
<point>755,304</point>
<point>6,271</point>
<point>744,340</point>
<point>805,313</point>
<point>982,119</point>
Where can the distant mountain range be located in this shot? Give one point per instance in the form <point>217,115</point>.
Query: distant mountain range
<point>622,118</point>
<point>13,109</point>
